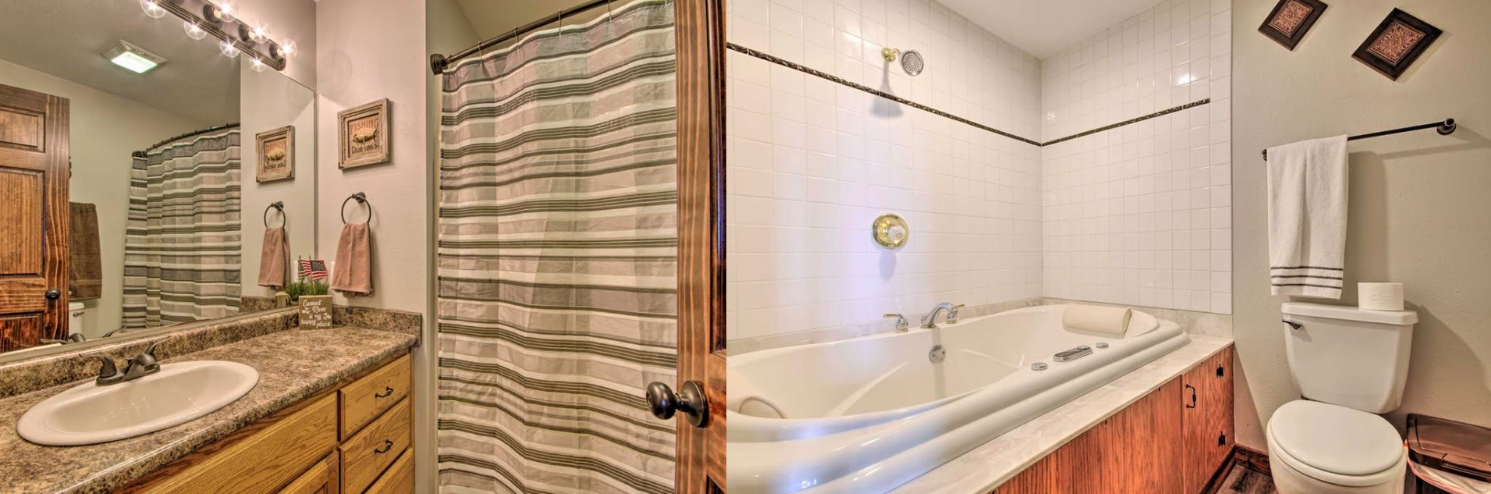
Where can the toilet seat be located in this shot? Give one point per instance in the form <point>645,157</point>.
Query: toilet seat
<point>1335,444</point>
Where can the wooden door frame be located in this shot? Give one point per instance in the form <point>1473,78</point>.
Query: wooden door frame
<point>700,36</point>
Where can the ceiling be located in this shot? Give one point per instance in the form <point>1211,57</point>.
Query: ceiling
<point>493,17</point>
<point>1043,28</point>
<point>67,38</point>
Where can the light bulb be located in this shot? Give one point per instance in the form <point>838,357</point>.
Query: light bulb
<point>257,65</point>
<point>226,12</point>
<point>193,31</point>
<point>152,9</point>
<point>259,34</point>
<point>287,48</point>
<point>229,49</point>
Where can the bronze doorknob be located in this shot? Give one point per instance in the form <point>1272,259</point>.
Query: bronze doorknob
<point>690,400</point>
<point>53,294</point>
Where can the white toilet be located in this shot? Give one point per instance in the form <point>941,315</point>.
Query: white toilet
<point>1350,364</point>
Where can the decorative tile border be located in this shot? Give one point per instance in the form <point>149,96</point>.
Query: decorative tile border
<point>833,78</point>
<point>1130,121</point>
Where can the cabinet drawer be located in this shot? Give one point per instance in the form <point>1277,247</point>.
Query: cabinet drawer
<point>320,479</point>
<point>264,459</point>
<point>370,452</point>
<point>371,395</point>
<point>399,479</point>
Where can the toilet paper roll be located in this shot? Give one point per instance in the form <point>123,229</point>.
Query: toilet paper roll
<point>1380,296</point>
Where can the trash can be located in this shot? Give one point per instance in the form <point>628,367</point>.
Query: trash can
<point>1448,456</point>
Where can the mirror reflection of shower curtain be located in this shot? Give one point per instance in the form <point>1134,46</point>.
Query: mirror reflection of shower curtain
<point>557,259</point>
<point>181,242</point>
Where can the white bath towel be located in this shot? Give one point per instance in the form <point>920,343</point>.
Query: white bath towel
<point>1307,184</point>
<point>1114,320</point>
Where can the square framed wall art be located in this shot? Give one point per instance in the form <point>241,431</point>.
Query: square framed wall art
<point>1396,43</point>
<point>276,150</point>
<point>363,135</point>
<point>1290,20</point>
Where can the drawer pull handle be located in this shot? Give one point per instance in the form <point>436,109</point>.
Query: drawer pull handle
<point>387,445</point>
<point>387,392</point>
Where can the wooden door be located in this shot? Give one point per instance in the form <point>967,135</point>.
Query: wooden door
<point>701,239</point>
<point>33,217</point>
<point>1206,419</point>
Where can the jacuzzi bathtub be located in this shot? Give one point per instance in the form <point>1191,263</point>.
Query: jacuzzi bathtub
<point>868,414</point>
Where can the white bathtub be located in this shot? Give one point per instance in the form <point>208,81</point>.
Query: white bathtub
<point>868,414</point>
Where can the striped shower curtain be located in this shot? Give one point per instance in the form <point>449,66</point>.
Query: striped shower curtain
<point>181,243</point>
<point>557,259</point>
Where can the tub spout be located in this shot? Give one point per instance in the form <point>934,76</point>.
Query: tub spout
<point>929,321</point>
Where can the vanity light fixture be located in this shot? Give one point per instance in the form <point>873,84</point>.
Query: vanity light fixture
<point>257,65</point>
<point>152,9</point>
<point>259,34</point>
<point>221,12</point>
<point>193,30</point>
<point>132,57</point>
<point>229,49</point>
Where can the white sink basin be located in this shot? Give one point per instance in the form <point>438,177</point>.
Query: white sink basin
<point>180,392</point>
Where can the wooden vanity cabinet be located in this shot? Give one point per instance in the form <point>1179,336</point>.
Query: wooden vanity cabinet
<point>310,447</point>
<point>1171,441</point>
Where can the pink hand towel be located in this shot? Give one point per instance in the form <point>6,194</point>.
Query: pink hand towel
<point>353,273</point>
<point>274,258</point>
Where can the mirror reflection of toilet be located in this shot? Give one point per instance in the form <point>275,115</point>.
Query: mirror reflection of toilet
<point>1349,364</point>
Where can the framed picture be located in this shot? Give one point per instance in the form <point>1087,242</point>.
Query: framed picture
<point>276,149</point>
<point>363,135</point>
<point>1396,43</point>
<point>1290,20</point>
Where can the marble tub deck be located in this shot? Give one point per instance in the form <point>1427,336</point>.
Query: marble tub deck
<point>986,467</point>
<point>293,365</point>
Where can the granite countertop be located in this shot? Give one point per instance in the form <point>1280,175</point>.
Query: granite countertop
<point>292,364</point>
<point>986,467</point>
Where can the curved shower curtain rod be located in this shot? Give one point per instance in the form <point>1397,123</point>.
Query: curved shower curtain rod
<point>142,154</point>
<point>439,62</point>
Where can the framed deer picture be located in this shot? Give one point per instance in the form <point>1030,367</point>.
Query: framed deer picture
<point>276,150</point>
<point>363,135</point>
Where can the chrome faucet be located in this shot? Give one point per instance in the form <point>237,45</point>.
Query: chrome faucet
<point>902,325</point>
<point>142,365</point>
<point>929,321</point>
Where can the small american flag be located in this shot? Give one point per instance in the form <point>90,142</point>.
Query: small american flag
<point>314,269</point>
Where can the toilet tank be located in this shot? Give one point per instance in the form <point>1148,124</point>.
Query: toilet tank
<point>1348,356</point>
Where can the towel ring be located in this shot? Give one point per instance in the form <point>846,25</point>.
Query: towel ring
<point>279,206</point>
<point>361,199</point>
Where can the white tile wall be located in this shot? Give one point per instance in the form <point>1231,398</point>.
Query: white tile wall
<point>1139,215</point>
<point>1142,214</point>
<point>811,163</point>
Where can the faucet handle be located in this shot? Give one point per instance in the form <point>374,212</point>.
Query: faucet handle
<point>952,314</point>
<point>901,323</point>
<point>108,373</point>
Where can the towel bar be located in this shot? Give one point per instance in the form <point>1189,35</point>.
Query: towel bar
<point>1444,128</point>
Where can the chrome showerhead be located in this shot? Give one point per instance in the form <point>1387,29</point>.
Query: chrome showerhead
<point>911,62</point>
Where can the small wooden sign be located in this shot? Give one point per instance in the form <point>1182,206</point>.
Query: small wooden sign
<point>1396,43</point>
<point>315,311</point>
<point>276,149</point>
<point>363,135</point>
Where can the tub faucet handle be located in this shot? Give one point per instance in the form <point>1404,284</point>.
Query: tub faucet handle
<point>952,314</point>
<point>902,325</point>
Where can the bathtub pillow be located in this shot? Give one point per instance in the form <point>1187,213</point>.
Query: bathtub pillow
<point>1113,320</point>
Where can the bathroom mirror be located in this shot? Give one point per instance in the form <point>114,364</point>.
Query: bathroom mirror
<point>183,151</point>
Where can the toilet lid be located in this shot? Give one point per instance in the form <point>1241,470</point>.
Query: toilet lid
<point>1334,438</point>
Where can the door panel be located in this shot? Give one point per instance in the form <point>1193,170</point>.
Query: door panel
<point>701,238</point>
<point>33,217</point>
